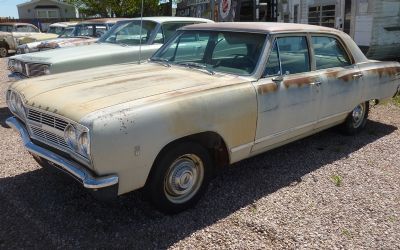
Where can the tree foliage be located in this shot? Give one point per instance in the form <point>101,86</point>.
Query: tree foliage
<point>116,8</point>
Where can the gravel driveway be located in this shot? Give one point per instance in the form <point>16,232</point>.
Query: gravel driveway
<point>326,191</point>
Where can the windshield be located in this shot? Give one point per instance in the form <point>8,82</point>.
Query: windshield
<point>68,32</point>
<point>6,28</point>
<point>91,30</point>
<point>56,30</point>
<point>129,33</point>
<point>227,52</point>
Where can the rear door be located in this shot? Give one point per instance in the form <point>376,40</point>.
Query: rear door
<point>340,80</point>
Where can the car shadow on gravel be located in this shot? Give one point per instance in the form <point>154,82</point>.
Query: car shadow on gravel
<point>40,209</point>
<point>4,114</point>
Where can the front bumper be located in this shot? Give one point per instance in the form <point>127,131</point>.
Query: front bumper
<point>103,187</point>
<point>13,77</point>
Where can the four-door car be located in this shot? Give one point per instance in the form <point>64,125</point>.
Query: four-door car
<point>213,95</point>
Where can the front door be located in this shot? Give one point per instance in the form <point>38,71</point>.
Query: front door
<point>287,103</point>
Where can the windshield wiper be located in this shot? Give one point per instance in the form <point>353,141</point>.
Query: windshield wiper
<point>197,65</point>
<point>161,61</point>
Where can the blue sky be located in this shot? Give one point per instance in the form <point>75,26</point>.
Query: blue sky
<point>9,7</point>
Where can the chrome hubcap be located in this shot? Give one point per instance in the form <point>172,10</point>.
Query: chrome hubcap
<point>184,178</point>
<point>358,115</point>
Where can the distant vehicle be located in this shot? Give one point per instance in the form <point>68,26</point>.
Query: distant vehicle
<point>119,45</point>
<point>59,28</point>
<point>84,33</point>
<point>14,34</point>
<point>213,95</point>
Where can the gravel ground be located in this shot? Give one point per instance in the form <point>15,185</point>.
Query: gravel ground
<point>286,198</point>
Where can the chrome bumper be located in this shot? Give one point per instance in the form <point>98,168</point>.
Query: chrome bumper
<point>77,171</point>
<point>13,77</point>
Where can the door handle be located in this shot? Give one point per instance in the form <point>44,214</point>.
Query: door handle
<point>357,76</point>
<point>316,83</point>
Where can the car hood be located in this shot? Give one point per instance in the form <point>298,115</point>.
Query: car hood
<point>32,37</point>
<point>75,95</point>
<point>77,53</point>
<point>67,42</point>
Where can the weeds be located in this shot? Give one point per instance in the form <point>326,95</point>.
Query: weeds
<point>337,180</point>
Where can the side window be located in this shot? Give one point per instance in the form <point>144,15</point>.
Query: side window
<point>273,68</point>
<point>294,55</point>
<point>329,53</point>
<point>31,29</point>
<point>159,36</point>
<point>21,28</point>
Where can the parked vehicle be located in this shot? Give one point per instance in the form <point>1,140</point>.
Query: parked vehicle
<point>84,33</point>
<point>120,45</point>
<point>14,34</point>
<point>59,28</point>
<point>213,95</point>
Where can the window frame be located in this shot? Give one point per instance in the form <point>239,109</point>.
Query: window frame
<point>274,39</point>
<point>344,47</point>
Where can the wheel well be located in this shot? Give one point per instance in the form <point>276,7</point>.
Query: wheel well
<point>212,141</point>
<point>4,44</point>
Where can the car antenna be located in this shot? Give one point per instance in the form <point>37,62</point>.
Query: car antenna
<point>140,37</point>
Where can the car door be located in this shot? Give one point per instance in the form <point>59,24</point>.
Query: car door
<point>287,103</point>
<point>340,79</point>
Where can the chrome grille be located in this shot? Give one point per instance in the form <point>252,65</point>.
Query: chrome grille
<point>48,136</point>
<point>53,135</point>
<point>46,119</point>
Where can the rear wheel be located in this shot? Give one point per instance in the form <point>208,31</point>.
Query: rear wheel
<point>180,177</point>
<point>357,119</point>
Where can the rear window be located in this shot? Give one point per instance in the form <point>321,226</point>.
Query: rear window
<point>6,28</point>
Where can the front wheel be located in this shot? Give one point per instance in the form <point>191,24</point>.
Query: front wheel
<point>3,52</point>
<point>180,177</point>
<point>357,119</point>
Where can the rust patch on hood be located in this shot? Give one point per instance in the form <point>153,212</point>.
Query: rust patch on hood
<point>267,88</point>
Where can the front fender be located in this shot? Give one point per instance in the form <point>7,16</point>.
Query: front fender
<point>126,140</point>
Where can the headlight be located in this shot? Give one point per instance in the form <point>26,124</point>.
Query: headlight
<point>11,64</point>
<point>13,102</point>
<point>70,137</point>
<point>84,144</point>
<point>46,70</point>
<point>78,140</point>
<point>17,66</point>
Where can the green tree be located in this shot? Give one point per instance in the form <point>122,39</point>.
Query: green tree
<point>116,8</point>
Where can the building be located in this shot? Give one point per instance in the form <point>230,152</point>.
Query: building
<point>229,10</point>
<point>46,9</point>
<point>374,25</point>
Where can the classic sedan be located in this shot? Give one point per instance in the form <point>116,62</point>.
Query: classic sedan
<point>127,42</point>
<point>213,95</point>
<point>84,33</point>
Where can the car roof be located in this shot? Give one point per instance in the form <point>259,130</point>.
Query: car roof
<point>63,24</point>
<point>163,19</point>
<point>260,27</point>
<point>102,20</point>
<point>15,23</point>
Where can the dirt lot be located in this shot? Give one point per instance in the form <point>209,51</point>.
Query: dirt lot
<point>326,191</point>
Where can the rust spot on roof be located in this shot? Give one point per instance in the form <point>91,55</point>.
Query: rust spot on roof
<point>267,88</point>
<point>298,82</point>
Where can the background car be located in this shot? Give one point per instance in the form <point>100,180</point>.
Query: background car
<point>84,33</point>
<point>59,28</point>
<point>213,95</point>
<point>119,45</point>
<point>14,34</point>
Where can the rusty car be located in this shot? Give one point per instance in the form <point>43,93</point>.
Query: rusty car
<point>127,42</point>
<point>74,34</point>
<point>14,34</point>
<point>213,95</point>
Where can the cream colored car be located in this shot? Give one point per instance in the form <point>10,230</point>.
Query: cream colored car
<point>213,95</point>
